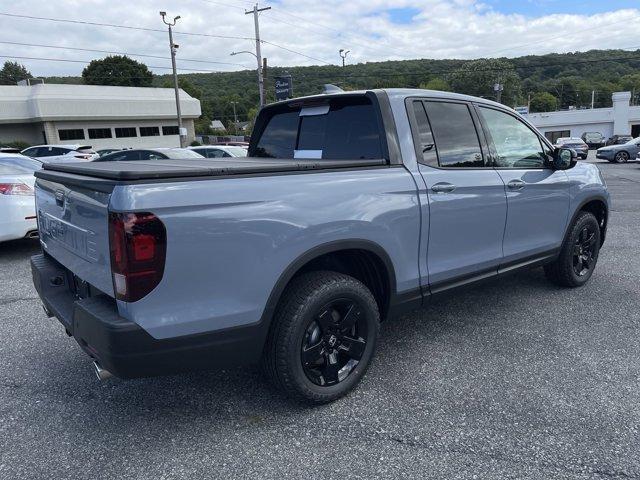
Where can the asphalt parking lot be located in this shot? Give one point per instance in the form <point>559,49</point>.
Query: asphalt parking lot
<point>511,379</point>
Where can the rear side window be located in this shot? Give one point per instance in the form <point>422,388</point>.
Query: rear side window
<point>347,130</point>
<point>455,135</point>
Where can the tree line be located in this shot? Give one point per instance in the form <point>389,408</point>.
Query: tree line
<point>543,82</point>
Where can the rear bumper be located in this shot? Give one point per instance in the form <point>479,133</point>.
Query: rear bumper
<point>124,348</point>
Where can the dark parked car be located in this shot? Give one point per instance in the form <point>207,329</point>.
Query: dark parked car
<point>575,143</point>
<point>149,154</point>
<point>618,139</point>
<point>593,139</point>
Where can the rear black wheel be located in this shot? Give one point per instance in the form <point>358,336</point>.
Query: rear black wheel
<point>579,253</point>
<point>323,337</point>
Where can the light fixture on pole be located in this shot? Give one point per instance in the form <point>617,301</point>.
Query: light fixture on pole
<point>343,55</point>
<point>174,48</point>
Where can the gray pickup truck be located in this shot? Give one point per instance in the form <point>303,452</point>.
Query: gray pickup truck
<point>351,208</point>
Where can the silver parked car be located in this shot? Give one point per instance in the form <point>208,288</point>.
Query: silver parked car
<point>220,151</point>
<point>620,153</point>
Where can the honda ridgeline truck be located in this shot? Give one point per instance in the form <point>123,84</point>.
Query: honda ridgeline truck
<point>351,208</point>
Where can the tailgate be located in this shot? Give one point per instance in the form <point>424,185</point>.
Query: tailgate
<point>73,225</point>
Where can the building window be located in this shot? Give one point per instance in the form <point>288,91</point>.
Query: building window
<point>170,130</point>
<point>149,131</point>
<point>71,134</point>
<point>99,133</point>
<point>122,132</point>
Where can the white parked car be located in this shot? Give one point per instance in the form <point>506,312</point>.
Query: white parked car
<point>220,151</point>
<point>17,201</point>
<point>61,153</point>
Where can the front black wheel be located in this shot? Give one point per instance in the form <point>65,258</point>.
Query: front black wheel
<point>322,338</point>
<point>579,253</point>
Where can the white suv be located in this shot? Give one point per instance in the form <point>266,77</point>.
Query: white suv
<point>61,153</point>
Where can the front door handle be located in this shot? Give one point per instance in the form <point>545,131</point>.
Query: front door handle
<point>516,184</point>
<point>443,188</point>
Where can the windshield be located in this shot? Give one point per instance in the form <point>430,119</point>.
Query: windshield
<point>178,153</point>
<point>633,141</point>
<point>237,151</point>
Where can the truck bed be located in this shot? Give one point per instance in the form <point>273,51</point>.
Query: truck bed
<point>177,169</point>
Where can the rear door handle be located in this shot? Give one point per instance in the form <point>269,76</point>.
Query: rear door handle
<point>516,184</point>
<point>443,188</point>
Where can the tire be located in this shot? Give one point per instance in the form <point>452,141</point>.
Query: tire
<point>578,254</point>
<point>621,157</point>
<point>307,322</point>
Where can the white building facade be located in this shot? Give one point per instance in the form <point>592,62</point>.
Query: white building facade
<point>621,119</point>
<point>100,116</point>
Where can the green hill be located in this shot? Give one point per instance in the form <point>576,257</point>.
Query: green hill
<point>564,79</point>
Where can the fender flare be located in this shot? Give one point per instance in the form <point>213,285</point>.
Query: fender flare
<point>316,252</point>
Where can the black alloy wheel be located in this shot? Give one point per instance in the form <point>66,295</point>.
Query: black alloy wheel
<point>583,250</point>
<point>578,256</point>
<point>334,342</point>
<point>322,337</point>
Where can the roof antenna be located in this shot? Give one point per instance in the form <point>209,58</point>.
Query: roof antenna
<point>330,88</point>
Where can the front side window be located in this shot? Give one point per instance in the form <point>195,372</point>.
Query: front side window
<point>516,145</point>
<point>455,135</point>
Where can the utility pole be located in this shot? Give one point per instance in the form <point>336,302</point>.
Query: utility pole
<point>173,48</point>
<point>255,13</point>
<point>593,98</point>
<point>235,118</point>
<point>343,55</point>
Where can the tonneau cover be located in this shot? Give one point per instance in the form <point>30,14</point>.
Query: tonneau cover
<point>158,169</point>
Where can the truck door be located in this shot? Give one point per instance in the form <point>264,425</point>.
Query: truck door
<point>467,202</point>
<point>537,196</point>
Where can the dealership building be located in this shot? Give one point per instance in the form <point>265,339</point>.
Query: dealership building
<point>620,119</point>
<point>100,116</point>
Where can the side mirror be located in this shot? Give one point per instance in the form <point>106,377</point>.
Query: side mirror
<point>564,158</point>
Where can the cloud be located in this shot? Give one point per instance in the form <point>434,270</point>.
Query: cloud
<point>372,30</point>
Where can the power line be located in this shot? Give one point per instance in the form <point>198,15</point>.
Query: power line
<point>113,25</point>
<point>65,60</point>
<point>118,53</point>
<point>296,52</point>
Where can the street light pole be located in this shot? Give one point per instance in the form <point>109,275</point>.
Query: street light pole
<point>255,11</point>
<point>343,54</point>
<point>176,88</point>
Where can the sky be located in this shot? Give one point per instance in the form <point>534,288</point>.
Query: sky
<point>307,32</point>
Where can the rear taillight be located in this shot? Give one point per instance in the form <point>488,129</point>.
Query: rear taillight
<point>15,189</point>
<point>138,244</point>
